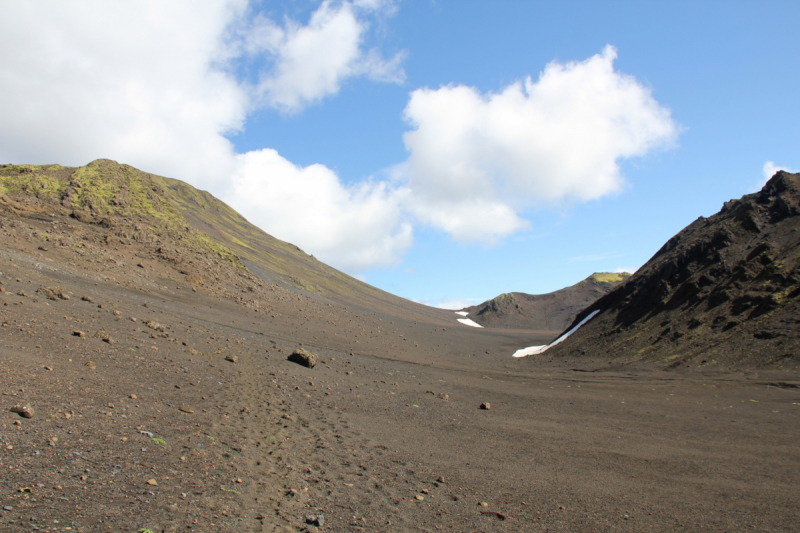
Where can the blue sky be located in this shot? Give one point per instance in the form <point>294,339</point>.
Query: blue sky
<point>443,151</point>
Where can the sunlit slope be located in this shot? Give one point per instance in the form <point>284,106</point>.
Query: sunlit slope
<point>174,217</point>
<point>271,258</point>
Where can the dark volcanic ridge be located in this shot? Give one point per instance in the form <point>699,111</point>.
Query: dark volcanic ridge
<point>724,291</point>
<point>553,311</point>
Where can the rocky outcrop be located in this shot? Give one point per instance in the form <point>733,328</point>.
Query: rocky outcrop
<point>722,291</point>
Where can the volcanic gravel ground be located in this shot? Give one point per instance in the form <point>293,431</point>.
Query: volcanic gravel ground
<point>143,423</point>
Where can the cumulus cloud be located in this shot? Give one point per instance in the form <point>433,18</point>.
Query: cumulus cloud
<point>160,86</point>
<point>454,304</point>
<point>451,304</point>
<point>353,228</point>
<point>154,85</point>
<point>477,160</point>
<point>130,81</point>
<point>312,61</point>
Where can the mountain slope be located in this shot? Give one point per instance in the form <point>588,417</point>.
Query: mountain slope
<point>722,291</point>
<point>553,311</point>
<point>187,227</point>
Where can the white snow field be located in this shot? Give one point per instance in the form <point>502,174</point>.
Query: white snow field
<point>468,322</point>
<point>462,313</point>
<point>533,350</point>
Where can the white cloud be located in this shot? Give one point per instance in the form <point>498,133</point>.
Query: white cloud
<point>130,81</point>
<point>454,304</point>
<point>477,160</point>
<point>152,84</point>
<point>451,304</point>
<point>354,228</point>
<point>770,169</point>
<point>312,61</point>
<point>626,270</point>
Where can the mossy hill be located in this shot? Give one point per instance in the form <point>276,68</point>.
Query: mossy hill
<point>107,193</point>
<point>179,220</point>
<point>544,312</point>
<point>724,292</point>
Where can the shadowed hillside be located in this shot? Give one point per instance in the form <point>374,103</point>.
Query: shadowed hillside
<point>553,311</point>
<point>722,291</point>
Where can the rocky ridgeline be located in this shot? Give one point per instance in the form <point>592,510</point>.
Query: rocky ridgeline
<point>722,291</point>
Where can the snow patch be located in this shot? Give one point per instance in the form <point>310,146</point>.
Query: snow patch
<point>468,322</point>
<point>462,313</point>
<point>530,350</point>
<point>533,350</point>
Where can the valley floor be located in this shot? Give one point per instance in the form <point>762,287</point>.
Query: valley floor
<point>143,423</point>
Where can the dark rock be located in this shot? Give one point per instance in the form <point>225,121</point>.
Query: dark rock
<point>315,520</point>
<point>232,358</point>
<point>486,406</point>
<point>304,358</point>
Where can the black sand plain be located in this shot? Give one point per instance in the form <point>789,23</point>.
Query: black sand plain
<point>142,422</point>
